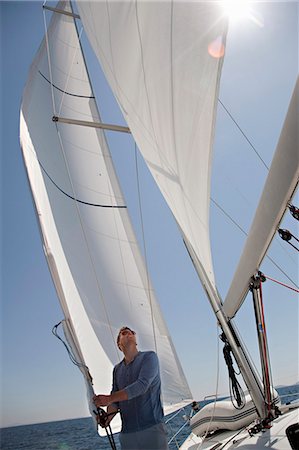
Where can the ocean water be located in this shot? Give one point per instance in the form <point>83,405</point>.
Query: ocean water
<point>79,434</point>
<point>75,434</point>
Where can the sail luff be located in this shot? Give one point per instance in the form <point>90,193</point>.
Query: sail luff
<point>279,187</point>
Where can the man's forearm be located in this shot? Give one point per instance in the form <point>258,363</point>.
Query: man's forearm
<point>118,396</point>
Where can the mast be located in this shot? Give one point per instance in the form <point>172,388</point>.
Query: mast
<point>248,372</point>
<point>256,289</point>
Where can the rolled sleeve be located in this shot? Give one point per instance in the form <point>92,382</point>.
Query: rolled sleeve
<point>148,372</point>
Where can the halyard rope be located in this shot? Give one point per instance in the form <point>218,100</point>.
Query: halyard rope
<point>282,284</point>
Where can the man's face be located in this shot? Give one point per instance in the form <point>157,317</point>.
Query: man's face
<point>125,337</point>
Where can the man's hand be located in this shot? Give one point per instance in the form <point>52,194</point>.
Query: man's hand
<point>102,400</point>
<point>105,400</point>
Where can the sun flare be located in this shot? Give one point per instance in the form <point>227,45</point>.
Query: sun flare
<point>237,10</point>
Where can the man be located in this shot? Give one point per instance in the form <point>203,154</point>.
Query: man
<point>136,393</point>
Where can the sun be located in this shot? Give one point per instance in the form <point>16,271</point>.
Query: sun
<point>237,10</point>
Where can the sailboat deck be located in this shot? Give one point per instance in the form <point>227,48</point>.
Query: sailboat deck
<point>274,438</point>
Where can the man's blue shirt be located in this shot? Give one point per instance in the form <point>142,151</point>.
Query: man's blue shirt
<point>141,380</point>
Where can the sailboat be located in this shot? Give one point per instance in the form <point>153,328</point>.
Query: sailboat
<point>172,71</point>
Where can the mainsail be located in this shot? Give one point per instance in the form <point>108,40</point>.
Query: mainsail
<point>163,62</point>
<point>88,239</point>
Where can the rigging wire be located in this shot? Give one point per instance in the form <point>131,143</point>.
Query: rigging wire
<point>216,390</point>
<point>228,216</point>
<point>243,134</point>
<point>281,270</point>
<point>176,433</point>
<point>293,209</point>
<point>282,284</point>
<point>173,433</point>
<point>246,234</point>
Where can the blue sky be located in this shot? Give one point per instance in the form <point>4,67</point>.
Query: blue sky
<point>38,381</point>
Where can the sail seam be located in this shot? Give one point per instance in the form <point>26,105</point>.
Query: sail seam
<point>61,90</point>
<point>70,66</point>
<point>76,199</point>
<point>145,252</point>
<point>152,131</point>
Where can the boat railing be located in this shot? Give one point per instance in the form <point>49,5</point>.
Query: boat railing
<point>216,397</point>
<point>174,434</point>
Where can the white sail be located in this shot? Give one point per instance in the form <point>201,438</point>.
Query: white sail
<point>280,185</point>
<point>163,62</point>
<point>89,242</point>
